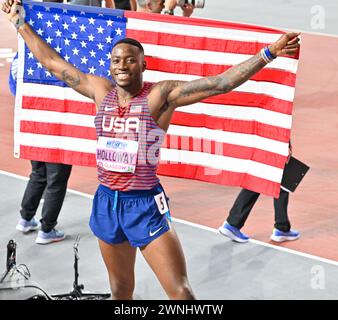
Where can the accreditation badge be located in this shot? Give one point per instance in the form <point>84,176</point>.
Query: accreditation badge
<point>117,155</point>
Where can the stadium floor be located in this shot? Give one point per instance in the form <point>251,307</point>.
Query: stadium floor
<point>218,269</point>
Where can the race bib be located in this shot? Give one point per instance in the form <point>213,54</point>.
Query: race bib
<point>161,203</point>
<point>116,154</point>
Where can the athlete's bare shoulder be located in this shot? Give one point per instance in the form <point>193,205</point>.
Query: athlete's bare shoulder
<point>102,87</point>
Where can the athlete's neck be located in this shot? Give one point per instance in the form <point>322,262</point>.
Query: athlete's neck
<point>126,95</point>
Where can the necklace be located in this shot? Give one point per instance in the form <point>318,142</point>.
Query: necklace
<point>122,109</point>
<point>125,103</point>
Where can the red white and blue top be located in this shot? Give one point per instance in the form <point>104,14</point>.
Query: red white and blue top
<point>129,143</point>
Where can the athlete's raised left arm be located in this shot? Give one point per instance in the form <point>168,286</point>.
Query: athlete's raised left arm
<point>182,93</point>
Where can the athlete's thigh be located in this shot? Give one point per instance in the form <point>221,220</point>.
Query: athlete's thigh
<point>119,260</point>
<point>165,256</point>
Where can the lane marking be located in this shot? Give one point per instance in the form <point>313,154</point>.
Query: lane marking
<point>205,228</point>
<point>6,50</point>
<point>7,55</point>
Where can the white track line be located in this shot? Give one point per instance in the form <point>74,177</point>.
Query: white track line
<point>195,225</point>
<point>261,243</point>
<point>6,50</point>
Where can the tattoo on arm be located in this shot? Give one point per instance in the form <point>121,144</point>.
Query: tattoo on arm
<point>237,75</point>
<point>226,81</point>
<point>207,85</point>
<point>165,88</point>
<point>71,80</point>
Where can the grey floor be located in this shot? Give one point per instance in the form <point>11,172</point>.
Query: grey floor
<point>217,267</point>
<point>319,16</point>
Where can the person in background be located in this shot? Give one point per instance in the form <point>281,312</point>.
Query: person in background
<point>170,5</point>
<point>124,4</point>
<point>242,207</point>
<point>46,178</point>
<point>156,6</point>
<point>150,6</point>
<point>91,3</point>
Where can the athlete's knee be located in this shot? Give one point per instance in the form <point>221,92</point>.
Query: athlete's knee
<point>181,291</point>
<point>121,290</point>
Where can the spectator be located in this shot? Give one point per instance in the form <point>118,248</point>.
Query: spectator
<point>124,4</point>
<point>170,5</point>
<point>242,207</point>
<point>92,3</point>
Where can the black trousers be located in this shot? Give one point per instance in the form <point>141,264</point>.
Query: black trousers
<point>245,202</point>
<point>54,178</point>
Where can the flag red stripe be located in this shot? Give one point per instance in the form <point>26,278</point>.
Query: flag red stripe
<point>57,129</point>
<point>196,43</point>
<point>231,125</point>
<point>205,69</point>
<point>252,100</point>
<point>58,156</point>
<point>183,119</point>
<point>225,149</point>
<point>221,177</point>
<point>57,105</point>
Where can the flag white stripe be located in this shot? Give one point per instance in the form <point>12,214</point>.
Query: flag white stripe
<point>275,90</point>
<point>53,92</point>
<point>57,117</point>
<point>241,139</point>
<point>240,113</point>
<point>213,57</point>
<point>201,31</point>
<point>223,163</point>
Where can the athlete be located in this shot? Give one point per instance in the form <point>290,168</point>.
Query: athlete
<point>130,210</point>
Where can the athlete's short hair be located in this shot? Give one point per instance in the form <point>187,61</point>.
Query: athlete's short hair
<point>130,41</point>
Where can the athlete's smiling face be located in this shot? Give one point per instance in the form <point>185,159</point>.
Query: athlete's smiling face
<point>127,65</point>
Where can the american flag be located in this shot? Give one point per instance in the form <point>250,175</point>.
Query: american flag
<point>239,139</point>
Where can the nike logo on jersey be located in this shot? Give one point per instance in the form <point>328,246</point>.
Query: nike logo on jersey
<point>156,231</point>
<point>107,108</point>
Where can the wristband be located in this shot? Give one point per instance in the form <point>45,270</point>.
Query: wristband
<point>269,54</point>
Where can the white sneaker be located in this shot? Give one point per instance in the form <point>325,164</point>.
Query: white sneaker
<point>49,237</point>
<point>27,225</point>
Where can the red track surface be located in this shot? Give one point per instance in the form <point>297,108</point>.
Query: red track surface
<point>313,209</point>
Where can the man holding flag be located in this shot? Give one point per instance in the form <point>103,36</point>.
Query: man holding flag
<point>130,210</point>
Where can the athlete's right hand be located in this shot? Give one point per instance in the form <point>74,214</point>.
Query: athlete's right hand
<point>10,7</point>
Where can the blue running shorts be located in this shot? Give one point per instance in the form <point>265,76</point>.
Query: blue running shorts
<point>138,216</point>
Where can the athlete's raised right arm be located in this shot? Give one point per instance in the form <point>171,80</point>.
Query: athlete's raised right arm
<point>88,85</point>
